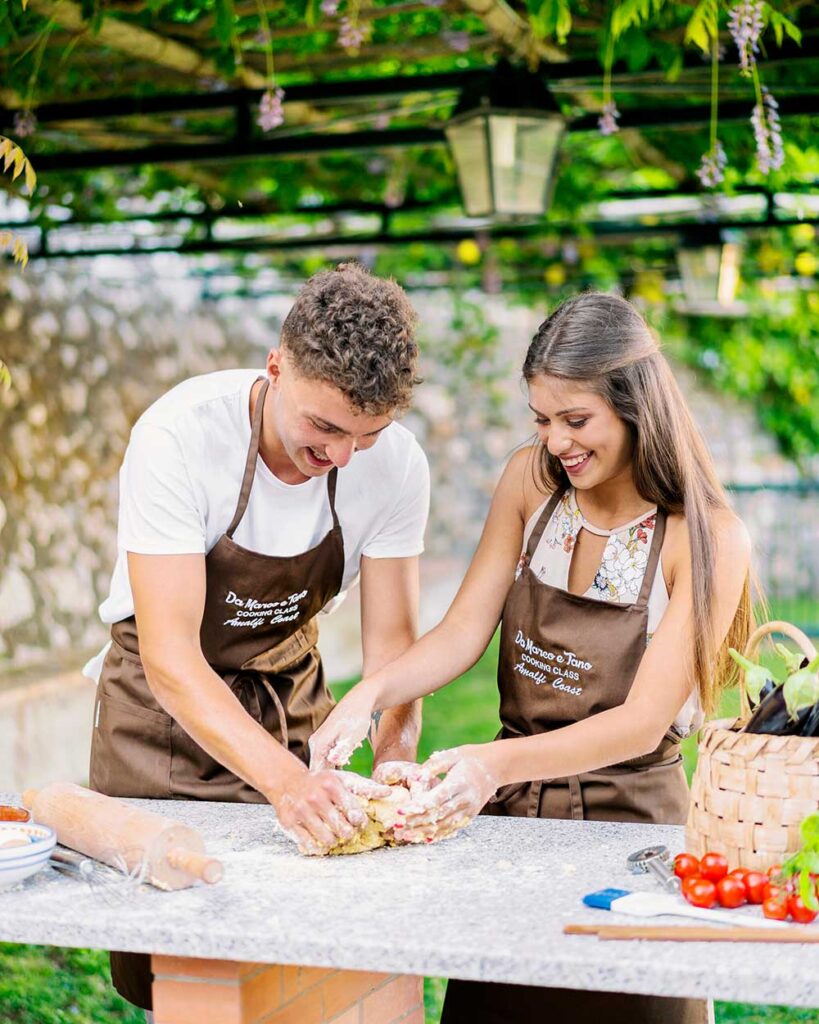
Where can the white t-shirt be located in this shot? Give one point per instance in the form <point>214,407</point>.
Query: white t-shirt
<point>180,482</point>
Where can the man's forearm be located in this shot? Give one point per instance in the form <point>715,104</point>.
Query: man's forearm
<point>395,733</point>
<point>195,696</point>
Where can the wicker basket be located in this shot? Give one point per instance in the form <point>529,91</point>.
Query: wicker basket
<point>750,792</point>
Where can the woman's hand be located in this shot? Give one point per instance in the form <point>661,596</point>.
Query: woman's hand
<point>401,773</point>
<point>344,729</point>
<point>470,778</point>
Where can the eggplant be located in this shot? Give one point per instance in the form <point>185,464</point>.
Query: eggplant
<point>811,725</point>
<point>767,689</point>
<point>771,717</point>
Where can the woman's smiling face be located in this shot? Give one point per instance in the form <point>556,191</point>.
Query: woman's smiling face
<point>581,429</point>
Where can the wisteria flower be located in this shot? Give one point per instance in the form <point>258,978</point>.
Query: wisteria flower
<point>770,153</point>
<point>271,111</point>
<point>329,7</point>
<point>457,41</point>
<point>25,124</point>
<point>607,122</point>
<point>711,171</point>
<point>745,24</point>
<point>350,34</point>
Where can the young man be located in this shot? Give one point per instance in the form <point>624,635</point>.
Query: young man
<point>248,504</point>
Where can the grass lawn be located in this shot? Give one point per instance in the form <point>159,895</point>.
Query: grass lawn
<point>41,985</point>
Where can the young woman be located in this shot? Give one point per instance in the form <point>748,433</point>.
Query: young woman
<point>619,574</point>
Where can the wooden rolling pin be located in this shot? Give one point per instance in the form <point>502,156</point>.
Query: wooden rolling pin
<point>701,933</point>
<point>111,831</point>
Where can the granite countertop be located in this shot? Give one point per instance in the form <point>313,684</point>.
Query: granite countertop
<point>488,904</point>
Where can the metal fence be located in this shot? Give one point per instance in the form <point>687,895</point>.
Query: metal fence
<point>783,519</point>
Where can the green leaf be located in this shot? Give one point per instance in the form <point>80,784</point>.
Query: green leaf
<point>781,24</point>
<point>809,831</point>
<point>311,14</point>
<point>550,18</point>
<point>807,890</point>
<point>633,12</point>
<point>225,24</point>
<point>703,24</point>
<point>5,376</point>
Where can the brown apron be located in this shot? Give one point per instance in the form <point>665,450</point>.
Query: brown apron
<point>564,657</point>
<point>259,634</point>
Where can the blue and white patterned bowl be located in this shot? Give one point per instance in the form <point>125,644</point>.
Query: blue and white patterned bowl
<point>24,849</point>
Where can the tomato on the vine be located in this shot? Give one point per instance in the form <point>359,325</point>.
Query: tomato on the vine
<point>755,883</point>
<point>771,891</point>
<point>731,891</point>
<point>741,873</point>
<point>699,891</point>
<point>686,864</point>
<point>776,909</point>
<point>714,866</point>
<point>799,911</point>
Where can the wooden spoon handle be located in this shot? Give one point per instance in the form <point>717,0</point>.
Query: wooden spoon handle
<point>681,933</point>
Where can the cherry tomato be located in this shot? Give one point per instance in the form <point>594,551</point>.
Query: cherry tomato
<point>699,892</point>
<point>777,910</point>
<point>771,891</point>
<point>755,883</point>
<point>713,866</point>
<point>740,873</point>
<point>774,871</point>
<point>731,891</point>
<point>686,864</point>
<point>799,911</point>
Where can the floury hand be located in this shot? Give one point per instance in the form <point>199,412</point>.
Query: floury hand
<point>343,731</point>
<point>452,802</point>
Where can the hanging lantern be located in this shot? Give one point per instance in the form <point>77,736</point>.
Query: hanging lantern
<point>504,136</point>
<point>709,268</point>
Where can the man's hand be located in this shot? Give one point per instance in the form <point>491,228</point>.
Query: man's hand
<point>344,729</point>
<point>402,773</point>
<point>449,803</point>
<point>320,809</point>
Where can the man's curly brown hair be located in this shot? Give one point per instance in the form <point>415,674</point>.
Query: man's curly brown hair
<point>356,332</point>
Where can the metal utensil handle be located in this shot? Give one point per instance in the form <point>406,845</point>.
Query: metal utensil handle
<point>663,873</point>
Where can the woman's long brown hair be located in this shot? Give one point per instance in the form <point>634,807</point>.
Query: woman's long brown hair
<point>603,343</point>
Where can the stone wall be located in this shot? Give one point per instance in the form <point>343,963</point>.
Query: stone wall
<point>92,343</point>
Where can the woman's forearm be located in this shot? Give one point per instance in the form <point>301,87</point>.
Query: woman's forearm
<point>607,738</point>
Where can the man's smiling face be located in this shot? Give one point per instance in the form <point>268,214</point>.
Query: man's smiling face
<point>316,426</point>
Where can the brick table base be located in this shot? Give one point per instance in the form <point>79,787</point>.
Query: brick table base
<point>189,991</point>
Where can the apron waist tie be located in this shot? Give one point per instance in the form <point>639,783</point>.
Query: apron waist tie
<point>244,678</point>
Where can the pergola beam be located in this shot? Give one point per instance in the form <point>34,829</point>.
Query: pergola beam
<point>251,211</point>
<point>280,145</point>
<point>605,232</point>
<point>143,45</point>
<point>139,43</point>
<point>514,32</point>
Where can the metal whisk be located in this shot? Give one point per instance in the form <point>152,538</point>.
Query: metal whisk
<point>111,884</point>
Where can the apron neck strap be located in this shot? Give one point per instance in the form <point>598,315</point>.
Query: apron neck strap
<point>653,559</point>
<point>545,516</point>
<point>250,462</point>
<point>332,476</point>
<point>250,468</point>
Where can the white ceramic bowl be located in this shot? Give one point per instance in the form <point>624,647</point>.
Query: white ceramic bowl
<point>20,861</point>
